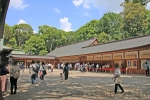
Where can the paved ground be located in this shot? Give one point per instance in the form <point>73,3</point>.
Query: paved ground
<point>81,86</point>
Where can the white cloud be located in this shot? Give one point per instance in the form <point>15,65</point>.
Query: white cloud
<point>34,31</point>
<point>86,14</point>
<point>148,6</point>
<point>18,4</point>
<point>65,25</point>
<point>22,22</point>
<point>107,5</point>
<point>57,10</point>
<point>77,2</point>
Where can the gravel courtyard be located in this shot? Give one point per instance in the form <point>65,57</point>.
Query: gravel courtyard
<point>81,86</point>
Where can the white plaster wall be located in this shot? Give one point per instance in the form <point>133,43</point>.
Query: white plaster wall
<point>144,52</point>
<point>106,55</point>
<point>131,53</point>
<point>118,54</point>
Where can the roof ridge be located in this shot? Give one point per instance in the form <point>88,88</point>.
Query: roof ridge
<point>134,37</point>
<point>77,42</point>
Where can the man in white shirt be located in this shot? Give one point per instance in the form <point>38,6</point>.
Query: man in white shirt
<point>97,66</point>
<point>59,66</point>
<point>62,66</point>
<point>70,65</point>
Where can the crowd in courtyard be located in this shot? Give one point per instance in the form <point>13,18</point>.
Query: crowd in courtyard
<point>39,70</point>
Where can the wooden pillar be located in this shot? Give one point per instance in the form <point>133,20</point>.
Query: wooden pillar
<point>138,61</point>
<point>102,59</point>
<point>93,60</point>
<point>25,63</point>
<point>124,60</point>
<point>112,61</point>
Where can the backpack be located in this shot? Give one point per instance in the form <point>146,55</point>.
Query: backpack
<point>37,69</point>
<point>17,74</point>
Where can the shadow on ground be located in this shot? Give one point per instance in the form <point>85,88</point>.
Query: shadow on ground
<point>81,88</point>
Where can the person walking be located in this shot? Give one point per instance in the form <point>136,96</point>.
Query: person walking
<point>70,66</point>
<point>49,67</point>
<point>3,78</point>
<point>146,66</point>
<point>14,75</point>
<point>58,66</point>
<point>117,79</point>
<point>42,72</point>
<point>22,67</point>
<point>52,68</point>
<point>66,71</point>
<point>33,72</point>
<point>97,67</point>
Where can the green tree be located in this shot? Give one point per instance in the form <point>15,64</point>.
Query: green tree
<point>35,45</point>
<point>22,32</point>
<point>7,34</point>
<point>148,20</point>
<point>110,23</point>
<point>134,19</point>
<point>142,2</point>
<point>103,37</point>
<point>87,31</point>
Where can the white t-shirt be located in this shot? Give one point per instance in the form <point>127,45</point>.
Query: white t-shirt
<point>49,65</point>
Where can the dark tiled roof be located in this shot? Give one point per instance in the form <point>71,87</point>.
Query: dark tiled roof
<point>75,49</point>
<point>117,45</point>
<point>72,49</point>
<point>33,56</point>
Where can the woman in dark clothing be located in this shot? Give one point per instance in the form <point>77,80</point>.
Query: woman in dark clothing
<point>42,71</point>
<point>66,71</point>
<point>14,75</point>
<point>3,77</point>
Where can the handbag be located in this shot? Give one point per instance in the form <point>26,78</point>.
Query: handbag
<point>41,73</point>
<point>44,72</point>
<point>118,80</point>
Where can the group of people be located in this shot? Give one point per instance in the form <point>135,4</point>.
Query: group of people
<point>116,76</point>
<point>14,72</point>
<point>86,67</point>
<point>40,69</point>
<point>62,65</point>
<point>36,69</point>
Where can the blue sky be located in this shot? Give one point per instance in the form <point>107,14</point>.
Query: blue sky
<point>62,14</point>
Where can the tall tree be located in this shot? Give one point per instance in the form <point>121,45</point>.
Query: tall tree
<point>134,19</point>
<point>103,37</point>
<point>22,32</point>
<point>110,23</point>
<point>7,34</point>
<point>148,20</point>
<point>35,45</point>
<point>87,31</point>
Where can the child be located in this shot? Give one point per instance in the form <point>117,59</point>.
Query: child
<point>61,77</point>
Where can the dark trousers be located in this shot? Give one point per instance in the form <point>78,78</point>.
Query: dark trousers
<point>147,72</point>
<point>13,83</point>
<point>42,77</point>
<point>66,75</point>
<point>33,79</point>
<point>116,87</point>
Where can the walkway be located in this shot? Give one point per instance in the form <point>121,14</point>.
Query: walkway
<point>81,86</point>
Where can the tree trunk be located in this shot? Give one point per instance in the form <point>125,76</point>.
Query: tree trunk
<point>51,45</point>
